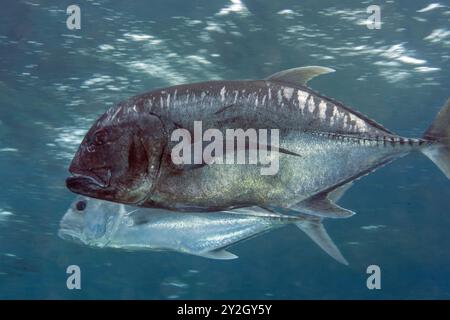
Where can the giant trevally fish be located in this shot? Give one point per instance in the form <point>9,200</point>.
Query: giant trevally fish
<point>126,155</point>
<point>105,224</point>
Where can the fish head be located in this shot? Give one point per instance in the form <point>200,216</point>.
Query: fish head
<point>119,158</point>
<point>90,221</point>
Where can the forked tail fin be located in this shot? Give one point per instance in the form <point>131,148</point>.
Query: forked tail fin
<point>439,133</point>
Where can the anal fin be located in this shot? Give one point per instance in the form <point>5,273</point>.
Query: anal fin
<point>336,194</point>
<point>316,231</point>
<point>323,204</point>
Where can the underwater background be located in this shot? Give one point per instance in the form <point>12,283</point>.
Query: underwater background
<point>54,82</point>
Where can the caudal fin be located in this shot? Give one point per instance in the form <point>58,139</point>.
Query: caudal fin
<point>439,134</point>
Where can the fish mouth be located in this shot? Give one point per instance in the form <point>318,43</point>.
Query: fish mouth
<point>71,227</point>
<point>79,180</point>
<point>98,179</point>
<point>69,235</point>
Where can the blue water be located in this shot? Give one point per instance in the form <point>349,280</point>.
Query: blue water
<point>55,82</point>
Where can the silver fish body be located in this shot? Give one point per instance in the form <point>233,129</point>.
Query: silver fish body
<point>105,224</point>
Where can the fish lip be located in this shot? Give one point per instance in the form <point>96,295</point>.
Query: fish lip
<point>76,180</point>
<point>90,178</point>
<point>68,235</point>
<point>70,228</point>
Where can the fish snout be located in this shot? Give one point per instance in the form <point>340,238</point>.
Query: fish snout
<point>71,227</point>
<point>92,178</point>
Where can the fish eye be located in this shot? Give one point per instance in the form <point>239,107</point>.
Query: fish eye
<point>81,205</point>
<point>100,137</point>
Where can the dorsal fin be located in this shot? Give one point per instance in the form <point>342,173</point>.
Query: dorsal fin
<point>299,76</point>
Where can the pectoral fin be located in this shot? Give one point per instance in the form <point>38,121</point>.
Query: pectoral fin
<point>323,204</point>
<point>201,159</point>
<point>316,231</point>
<point>220,254</point>
<point>299,76</point>
<point>266,212</point>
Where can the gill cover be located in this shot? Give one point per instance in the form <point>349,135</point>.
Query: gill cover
<point>146,150</point>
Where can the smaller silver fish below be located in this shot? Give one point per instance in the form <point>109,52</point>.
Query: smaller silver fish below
<point>99,223</point>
